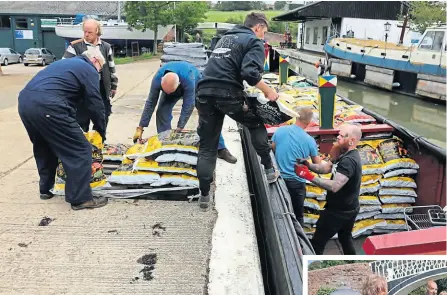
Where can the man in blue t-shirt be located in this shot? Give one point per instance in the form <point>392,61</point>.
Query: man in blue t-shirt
<point>291,143</point>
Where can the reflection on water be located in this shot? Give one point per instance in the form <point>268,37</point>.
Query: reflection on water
<point>423,118</point>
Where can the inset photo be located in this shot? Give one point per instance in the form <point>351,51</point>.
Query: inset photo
<point>375,277</point>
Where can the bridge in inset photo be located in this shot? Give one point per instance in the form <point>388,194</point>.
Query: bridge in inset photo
<point>403,276</point>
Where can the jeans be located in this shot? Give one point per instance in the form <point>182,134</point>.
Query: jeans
<point>212,111</point>
<point>335,222</point>
<point>164,116</point>
<point>297,192</point>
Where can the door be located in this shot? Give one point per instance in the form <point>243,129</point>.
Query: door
<point>54,43</point>
<point>14,55</point>
<point>46,56</point>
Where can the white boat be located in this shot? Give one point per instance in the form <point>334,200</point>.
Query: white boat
<point>418,70</point>
<point>117,33</point>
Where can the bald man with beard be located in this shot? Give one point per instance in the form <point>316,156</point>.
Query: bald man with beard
<point>343,189</point>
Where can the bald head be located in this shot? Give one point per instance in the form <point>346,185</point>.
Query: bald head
<point>432,288</point>
<point>306,115</point>
<point>92,30</point>
<point>349,136</point>
<point>355,132</point>
<point>170,82</point>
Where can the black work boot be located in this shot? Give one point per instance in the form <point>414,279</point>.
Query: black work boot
<point>46,196</point>
<point>225,154</point>
<point>96,202</point>
<point>205,201</point>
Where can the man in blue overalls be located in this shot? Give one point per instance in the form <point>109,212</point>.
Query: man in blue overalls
<point>47,107</point>
<point>176,80</point>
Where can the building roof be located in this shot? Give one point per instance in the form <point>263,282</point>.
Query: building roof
<point>389,10</point>
<point>102,8</point>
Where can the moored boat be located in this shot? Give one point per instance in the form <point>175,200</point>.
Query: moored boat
<point>418,70</point>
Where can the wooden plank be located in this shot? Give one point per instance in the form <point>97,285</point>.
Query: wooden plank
<point>379,70</point>
<point>432,78</point>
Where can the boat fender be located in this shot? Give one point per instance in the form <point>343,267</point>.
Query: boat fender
<point>396,84</point>
<point>352,76</point>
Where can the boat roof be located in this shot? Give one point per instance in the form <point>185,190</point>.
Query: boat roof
<point>355,9</point>
<point>59,8</point>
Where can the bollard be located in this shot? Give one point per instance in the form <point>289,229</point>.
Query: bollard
<point>283,69</point>
<point>327,87</point>
<point>267,57</point>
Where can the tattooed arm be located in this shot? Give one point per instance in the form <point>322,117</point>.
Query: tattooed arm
<point>331,185</point>
<point>321,168</point>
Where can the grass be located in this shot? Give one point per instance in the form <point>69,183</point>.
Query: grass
<point>222,16</point>
<point>125,60</point>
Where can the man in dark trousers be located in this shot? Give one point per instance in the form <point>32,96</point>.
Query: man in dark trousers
<point>176,80</point>
<point>289,143</point>
<point>343,189</point>
<point>108,79</point>
<point>238,56</point>
<point>47,107</point>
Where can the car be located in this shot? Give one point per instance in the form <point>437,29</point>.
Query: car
<point>8,55</point>
<point>39,56</point>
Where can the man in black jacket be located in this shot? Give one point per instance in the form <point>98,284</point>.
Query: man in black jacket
<point>238,56</point>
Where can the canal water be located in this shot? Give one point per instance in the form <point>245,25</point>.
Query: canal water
<point>426,119</point>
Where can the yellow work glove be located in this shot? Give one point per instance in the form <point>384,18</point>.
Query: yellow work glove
<point>138,134</point>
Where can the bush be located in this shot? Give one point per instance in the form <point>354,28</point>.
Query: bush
<point>238,20</point>
<point>325,290</point>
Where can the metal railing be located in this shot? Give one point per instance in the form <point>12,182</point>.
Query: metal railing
<point>398,269</point>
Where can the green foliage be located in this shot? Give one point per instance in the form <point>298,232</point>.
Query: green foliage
<point>221,16</point>
<point>328,263</point>
<point>188,14</point>
<point>418,291</point>
<point>144,15</point>
<point>325,290</point>
<point>442,286</point>
<point>279,5</point>
<point>425,14</point>
<point>236,5</point>
<point>238,20</point>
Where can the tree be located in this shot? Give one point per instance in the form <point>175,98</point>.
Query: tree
<point>234,5</point>
<point>258,5</point>
<point>144,15</point>
<point>279,5</point>
<point>187,14</point>
<point>426,14</point>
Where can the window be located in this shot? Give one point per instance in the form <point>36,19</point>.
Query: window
<point>32,51</point>
<point>315,36</point>
<point>324,36</point>
<point>12,51</point>
<point>432,41</point>
<point>307,35</point>
<point>427,42</point>
<point>21,23</point>
<point>439,38</point>
<point>5,21</point>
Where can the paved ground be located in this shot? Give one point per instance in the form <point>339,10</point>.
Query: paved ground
<point>98,251</point>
